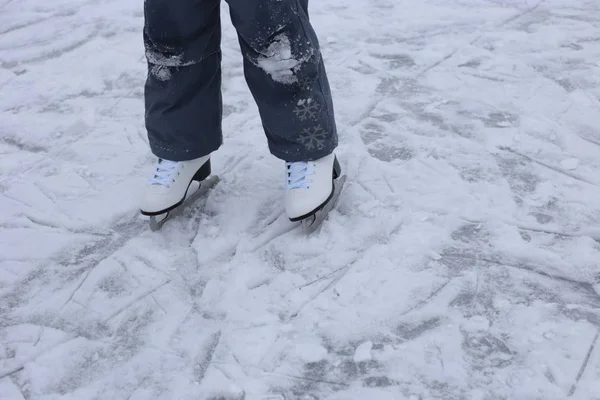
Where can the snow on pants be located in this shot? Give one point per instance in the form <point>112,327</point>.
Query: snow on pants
<point>282,67</point>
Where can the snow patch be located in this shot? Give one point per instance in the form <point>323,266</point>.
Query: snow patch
<point>302,102</point>
<point>279,62</point>
<point>162,64</point>
<point>161,73</point>
<point>570,163</point>
<point>363,352</point>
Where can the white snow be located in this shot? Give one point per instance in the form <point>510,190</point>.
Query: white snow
<point>363,352</point>
<point>460,263</point>
<point>570,163</point>
<point>279,62</point>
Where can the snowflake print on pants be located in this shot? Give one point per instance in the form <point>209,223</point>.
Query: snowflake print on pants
<point>313,138</point>
<point>306,83</point>
<point>307,109</point>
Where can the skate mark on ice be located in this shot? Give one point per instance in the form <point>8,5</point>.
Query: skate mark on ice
<point>589,140</point>
<point>75,132</point>
<point>15,142</point>
<point>232,164</point>
<point>471,233</point>
<point>28,24</point>
<point>74,292</point>
<point>519,175</point>
<point>94,252</point>
<point>266,237</point>
<point>379,382</point>
<point>379,144</point>
<point>390,153</point>
<point>266,216</point>
<point>319,279</point>
<point>529,227</point>
<point>521,14</point>
<point>487,351</point>
<point>341,370</point>
<point>542,218</point>
<point>316,379</point>
<point>89,255</point>
<point>20,365</point>
<point>379,97</point>
<point>445,58</point>
<point>135,300</point>
<point>584,364</point>
<point>555,169</point>
<point>274,258</point>
<point>22,389</point>
<point>409,332</point>
<point>583,287</point>
<point>369,191</point>
<point>422,303</point>
<point>396,61</point>
<point>224,255</point>
<point>201,366</point>
<point>501,120</point>
<point>311,378</point>
<point>57,53</point>
<point>5,4</point>
<point>338,274</point>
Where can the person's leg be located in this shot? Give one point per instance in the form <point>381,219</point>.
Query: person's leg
<point>183,87</point>
<point>286,75</point>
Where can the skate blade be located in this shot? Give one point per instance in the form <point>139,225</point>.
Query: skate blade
<point>157,221</point>
<point>313,222</point>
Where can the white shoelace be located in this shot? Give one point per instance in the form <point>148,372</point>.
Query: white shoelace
<point>165,169</point>
<point>297,173</point>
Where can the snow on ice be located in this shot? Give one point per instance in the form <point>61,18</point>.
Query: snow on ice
<point>460,263</point>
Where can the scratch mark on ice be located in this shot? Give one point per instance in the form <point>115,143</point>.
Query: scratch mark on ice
<point>20,365</point>
<point>585,363</point>
<point>423,302</point>
<point>135,300</point>
<point>303,378</point>
<point>555,169</point>
<point>158,304</point>
<point>522,14</point>
<point>202,366</point>
<point>74,292</point>
<point>337,274</point>
<point>586,286</point>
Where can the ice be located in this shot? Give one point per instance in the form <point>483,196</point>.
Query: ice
<point>461,261</point>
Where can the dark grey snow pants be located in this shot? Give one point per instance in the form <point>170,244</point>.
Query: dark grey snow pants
<point>282,67</point>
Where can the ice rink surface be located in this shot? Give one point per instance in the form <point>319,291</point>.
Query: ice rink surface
<point>462,261</point>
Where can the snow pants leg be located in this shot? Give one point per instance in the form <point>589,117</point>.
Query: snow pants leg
<point>183,87</point>
<point>283,68</point>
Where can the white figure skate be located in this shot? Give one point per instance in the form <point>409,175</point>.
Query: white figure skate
<point>174,185</point>
<point>313,188</point>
